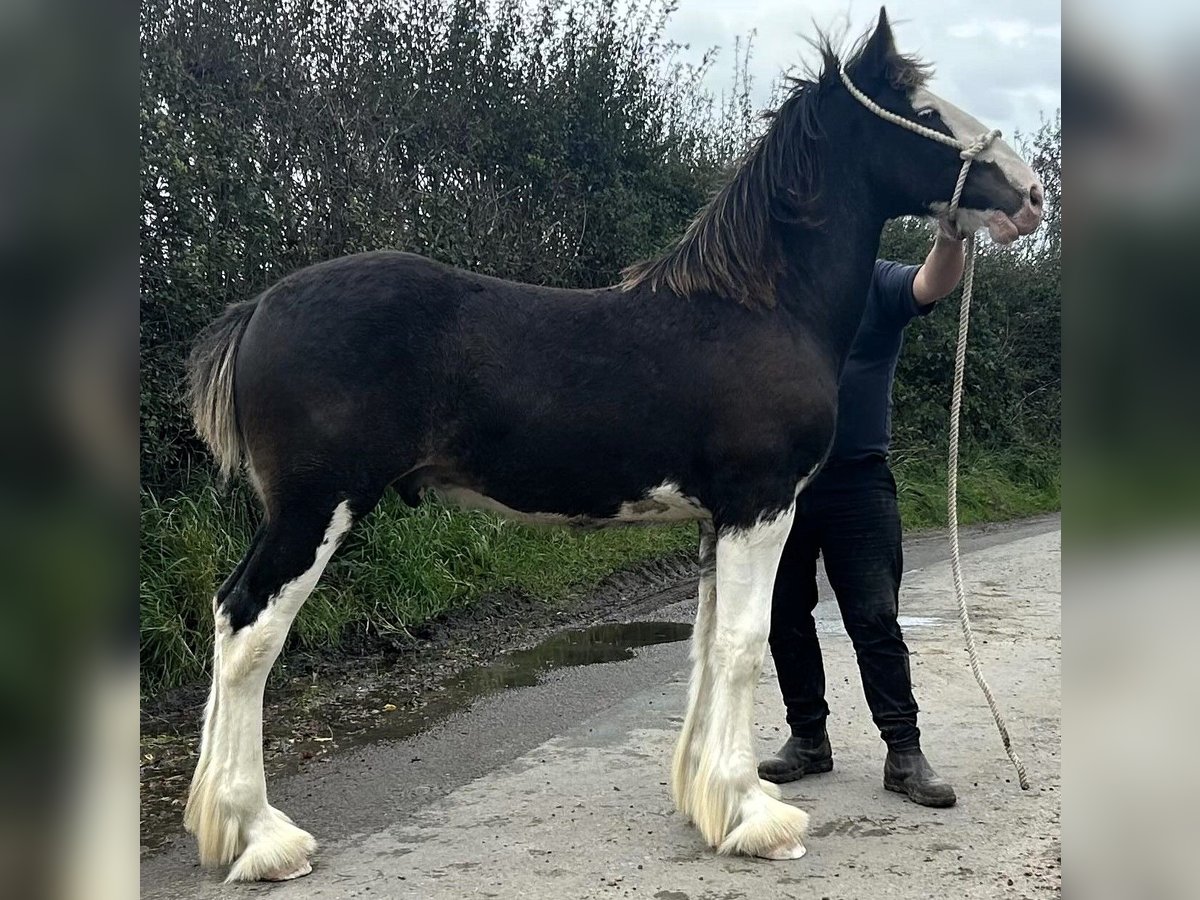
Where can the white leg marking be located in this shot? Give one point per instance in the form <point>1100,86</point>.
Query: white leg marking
<point>725,798</point>
<point>687,750</point>
<point>227,809</point>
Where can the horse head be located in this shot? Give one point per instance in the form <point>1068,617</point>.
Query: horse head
<point>915,174</point>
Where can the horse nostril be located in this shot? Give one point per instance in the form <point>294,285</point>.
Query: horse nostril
<point>1035,196</point>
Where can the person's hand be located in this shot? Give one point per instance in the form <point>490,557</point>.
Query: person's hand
<point>948,231</point>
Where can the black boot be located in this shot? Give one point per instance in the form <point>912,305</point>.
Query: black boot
<point>800,756</point>
<point>908,772</point>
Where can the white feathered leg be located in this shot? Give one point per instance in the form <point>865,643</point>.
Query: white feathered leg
<point>227,808</point>
<point>723,795</point>
<point>687,749</point>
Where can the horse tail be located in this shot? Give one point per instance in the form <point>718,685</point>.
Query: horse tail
<point>210,370</point>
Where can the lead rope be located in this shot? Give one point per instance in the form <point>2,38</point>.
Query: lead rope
<point>968,153</point>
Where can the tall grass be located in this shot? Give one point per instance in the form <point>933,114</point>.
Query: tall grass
<point>992,486</point>
<point>402,567</point>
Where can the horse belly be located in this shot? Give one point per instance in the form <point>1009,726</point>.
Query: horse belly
<point>663,504</point>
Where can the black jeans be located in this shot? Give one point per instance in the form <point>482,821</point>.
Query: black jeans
<point>849,515</point>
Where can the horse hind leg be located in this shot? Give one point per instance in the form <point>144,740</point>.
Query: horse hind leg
<point>192,815</point>
<point>227,807</point>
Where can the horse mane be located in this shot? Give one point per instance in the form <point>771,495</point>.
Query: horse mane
<point>731,248</point>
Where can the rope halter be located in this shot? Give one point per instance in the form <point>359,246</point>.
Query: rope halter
<point>967,153</point>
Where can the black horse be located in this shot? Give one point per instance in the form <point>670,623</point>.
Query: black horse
<point>702,387</point>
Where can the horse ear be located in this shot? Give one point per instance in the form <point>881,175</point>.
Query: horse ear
<point>874,62</point>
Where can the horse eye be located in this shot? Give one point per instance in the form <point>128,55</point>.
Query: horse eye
<point>925,113</point>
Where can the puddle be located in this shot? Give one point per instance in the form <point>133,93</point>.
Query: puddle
<point>520,668</point>
<point>578,647</point>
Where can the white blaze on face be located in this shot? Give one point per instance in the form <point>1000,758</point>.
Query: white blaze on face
<point>966,128</point>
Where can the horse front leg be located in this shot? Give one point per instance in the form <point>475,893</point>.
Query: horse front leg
<point>695,722</point>
<point>724,796</point>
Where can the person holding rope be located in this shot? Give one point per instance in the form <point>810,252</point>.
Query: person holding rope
<point>849,516</point>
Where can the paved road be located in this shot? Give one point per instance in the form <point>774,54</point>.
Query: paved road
<point>558,791</point>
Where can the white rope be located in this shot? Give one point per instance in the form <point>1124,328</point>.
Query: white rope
<point>968,153</point>
<point>960,361</point>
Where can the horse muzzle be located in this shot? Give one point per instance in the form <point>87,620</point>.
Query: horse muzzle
<point>1005,229</point>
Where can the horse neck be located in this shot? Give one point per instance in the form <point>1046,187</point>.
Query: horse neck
<point>828,267</point>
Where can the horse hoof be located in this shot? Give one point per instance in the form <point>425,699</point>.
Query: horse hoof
<point>278,850</point>
<point>793,852</point>
<point>769,829</point>
<point>299,872</point>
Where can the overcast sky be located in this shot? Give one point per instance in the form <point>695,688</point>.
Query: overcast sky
<point>998,61</point>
